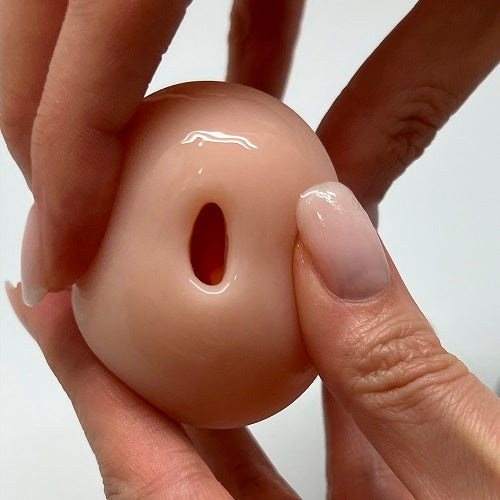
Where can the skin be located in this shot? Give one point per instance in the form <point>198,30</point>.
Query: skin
<point>386,122</point>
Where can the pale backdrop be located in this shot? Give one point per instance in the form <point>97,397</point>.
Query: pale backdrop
<point>439,222</point>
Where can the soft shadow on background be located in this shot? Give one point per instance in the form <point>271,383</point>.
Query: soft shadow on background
<point>440,222</point>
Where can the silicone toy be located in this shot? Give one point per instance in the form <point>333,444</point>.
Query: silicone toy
<point>190,299</point>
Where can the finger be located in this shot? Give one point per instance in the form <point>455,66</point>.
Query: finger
<point>141,453</point>
<point>104,59</point>
<point>261,43</point>
<point>29,32</point>
<point>240,464</point>
<point>433,423</point>
<point>354,468</point>
<point>407,89</point>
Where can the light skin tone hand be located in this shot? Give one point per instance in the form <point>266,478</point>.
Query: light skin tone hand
<point>142,453</point>
<point>403,418</point>
<point>63,109</point>
<point>62,112</point>
<point>399,409</point>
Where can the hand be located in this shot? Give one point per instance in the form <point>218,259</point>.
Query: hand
<point>373,126</point>
<point>142,453</point>
<point>90,64</point>
<point>77,70</point>
<point>402,415</point>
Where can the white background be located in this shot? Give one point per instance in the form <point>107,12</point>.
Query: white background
<point>439,222</point>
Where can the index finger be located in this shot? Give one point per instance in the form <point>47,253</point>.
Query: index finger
<point>104,59</point>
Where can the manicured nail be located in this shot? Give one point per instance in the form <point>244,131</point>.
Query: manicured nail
<point>344,246</point>
<point>10,289</point>
<point>31,260</point>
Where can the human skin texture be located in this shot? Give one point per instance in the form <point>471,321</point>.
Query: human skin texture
<point>190,299</point>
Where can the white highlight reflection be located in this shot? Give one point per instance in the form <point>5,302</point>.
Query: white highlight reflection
<point>217,136</point>
<point>209,292</point>
<point>328,196</point>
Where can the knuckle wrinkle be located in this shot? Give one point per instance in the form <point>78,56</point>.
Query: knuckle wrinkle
<point>402,364</point>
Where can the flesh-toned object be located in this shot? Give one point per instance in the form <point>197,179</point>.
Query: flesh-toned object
<point>190,299</point>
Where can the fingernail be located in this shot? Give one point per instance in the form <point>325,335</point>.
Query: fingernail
<point>344,246</point>
<point>9,289</point>
<point>31,260</point>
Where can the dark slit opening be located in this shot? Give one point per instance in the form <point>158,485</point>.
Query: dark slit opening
<point>208,245</point>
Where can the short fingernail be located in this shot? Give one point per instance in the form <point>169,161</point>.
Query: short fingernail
<point>31,260</point>
<point>344,246</point>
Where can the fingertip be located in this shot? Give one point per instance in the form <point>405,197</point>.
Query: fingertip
<point>14,294</point>
<point>344,245</point>
<point>33,289</point>
<point>9,287</point>
<point>39,320</point>
<point>33,296</point>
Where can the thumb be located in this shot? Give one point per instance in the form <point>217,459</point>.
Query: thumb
<point>432,421</point>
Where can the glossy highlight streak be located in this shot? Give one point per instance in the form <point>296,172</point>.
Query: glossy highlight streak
<point>217,136</point>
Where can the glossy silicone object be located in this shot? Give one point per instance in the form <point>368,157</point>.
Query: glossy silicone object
<point>224,350</point>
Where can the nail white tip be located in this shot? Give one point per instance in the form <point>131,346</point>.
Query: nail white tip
<point>32,296</point>
<point>9,286</point>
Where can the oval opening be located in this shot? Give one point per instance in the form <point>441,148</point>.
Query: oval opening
<point>208,246</point>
